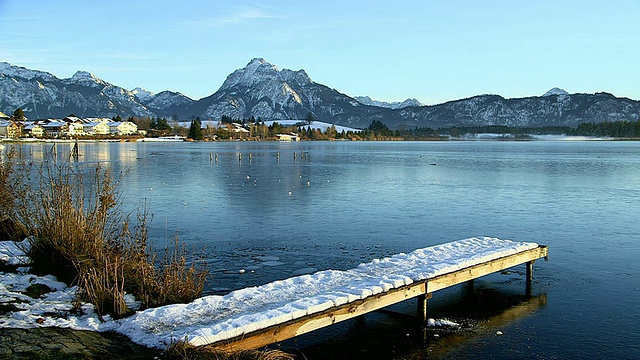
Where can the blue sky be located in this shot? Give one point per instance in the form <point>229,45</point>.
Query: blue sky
<point>434,51</point>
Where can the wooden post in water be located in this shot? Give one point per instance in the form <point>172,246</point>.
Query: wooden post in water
<point>529,276</point>
<point>74,151</point>
<point>422,306</point>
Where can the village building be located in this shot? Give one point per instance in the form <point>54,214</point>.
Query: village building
<point>97,127</point>
<point>55,129</point>
<point>75,128</point>
<point>123,128</point>
<point>10,129</point>
<point>33,129</point>
<point>288,137</point>
<point>72,119</point>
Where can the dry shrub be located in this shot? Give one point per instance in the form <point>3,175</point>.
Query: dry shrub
<point>81,235</point>
<point>7,190</point>
<point>10,229</point>
<point>185,351</point>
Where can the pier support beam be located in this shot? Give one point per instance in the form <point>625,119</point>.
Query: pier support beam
<point>422,306</point>
<point>529,275</point>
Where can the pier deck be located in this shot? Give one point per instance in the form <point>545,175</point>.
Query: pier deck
<point>252,318</point>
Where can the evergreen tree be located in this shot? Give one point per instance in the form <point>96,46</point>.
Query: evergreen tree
<point>195,131</point>
<point>378,126</point>
<point>18,115</point>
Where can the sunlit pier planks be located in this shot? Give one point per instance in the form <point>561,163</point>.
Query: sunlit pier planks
<point>423,290</point>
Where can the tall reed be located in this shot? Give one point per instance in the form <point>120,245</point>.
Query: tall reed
<point>81,234</point>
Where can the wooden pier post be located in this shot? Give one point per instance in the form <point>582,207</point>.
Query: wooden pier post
<point>529,276</point>
<point>422,306</point>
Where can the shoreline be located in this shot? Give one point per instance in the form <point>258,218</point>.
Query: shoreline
<point>460,139</point>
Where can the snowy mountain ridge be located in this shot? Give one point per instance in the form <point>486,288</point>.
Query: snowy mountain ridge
<point>263,91</point>
<point>390,105</point>
<point>41,94</point>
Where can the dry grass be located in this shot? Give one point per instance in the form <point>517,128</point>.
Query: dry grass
<point>81,235</point>
<point>186,351</point>
<point>6,183</point>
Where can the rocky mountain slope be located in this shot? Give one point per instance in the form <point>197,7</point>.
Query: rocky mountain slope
<point>42,95</point>
<point>261,90</point>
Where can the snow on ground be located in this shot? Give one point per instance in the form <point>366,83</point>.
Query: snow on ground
<point>216,317</point>
<point>568,137</point>
<point>323,126</point>
<point>12,253</point>
<point>559,137</point>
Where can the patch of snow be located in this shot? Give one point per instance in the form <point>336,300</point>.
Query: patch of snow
<point>441,323</point>
<point>323,126</point>
<point>14,253</point>
<point>567,137</point>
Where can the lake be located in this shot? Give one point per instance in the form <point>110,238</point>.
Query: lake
<point>337,204</point>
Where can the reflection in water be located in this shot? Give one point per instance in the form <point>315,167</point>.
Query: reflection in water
<point>396,332</point>
<point>438,343</point>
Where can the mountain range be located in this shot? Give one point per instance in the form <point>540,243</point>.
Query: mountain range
<point>263,91</point>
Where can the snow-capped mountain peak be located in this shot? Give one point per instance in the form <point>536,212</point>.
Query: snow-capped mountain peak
<point>143,94</point>
<point>87,79</point>
<point>256,71</point>
<point>257,62</point>
<point>556,91</point>
<point>83,75</point>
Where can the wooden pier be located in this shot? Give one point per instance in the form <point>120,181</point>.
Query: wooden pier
<point>422,290</point>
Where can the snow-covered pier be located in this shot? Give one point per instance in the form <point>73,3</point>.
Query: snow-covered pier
<point>258,316</point>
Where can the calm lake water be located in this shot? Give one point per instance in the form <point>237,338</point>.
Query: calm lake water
<point>344,203</point>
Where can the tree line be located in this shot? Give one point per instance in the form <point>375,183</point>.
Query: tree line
<point>377,130</point>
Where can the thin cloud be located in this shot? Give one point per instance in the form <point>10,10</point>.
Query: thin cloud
<point>246,15</point>
<point>253,12</point>
<point>126,56</point>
